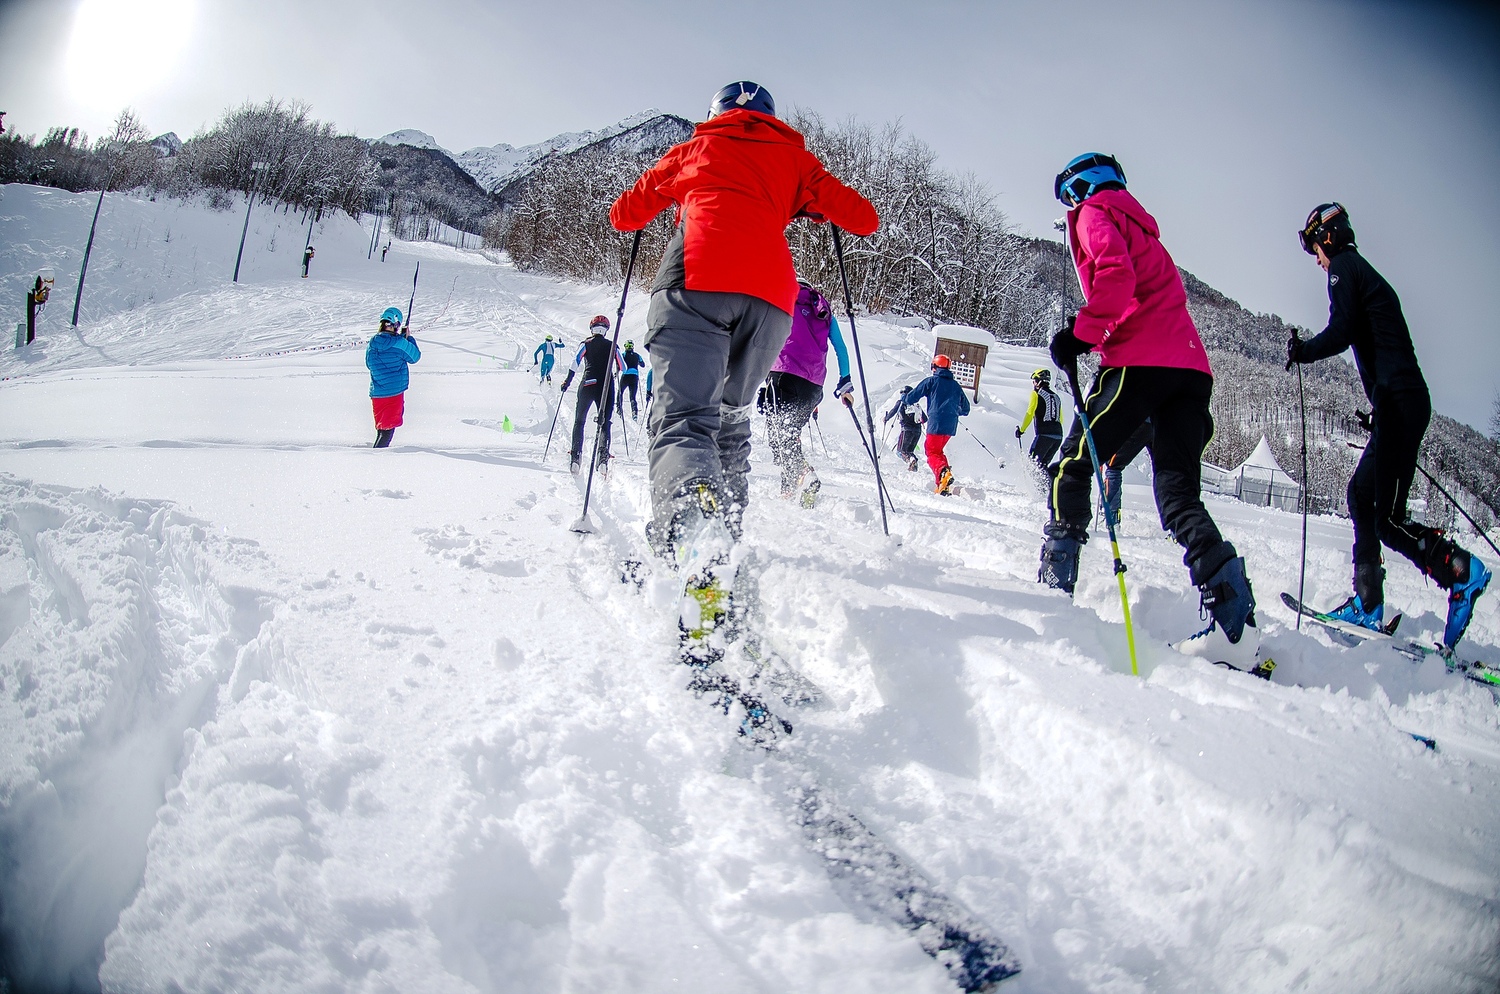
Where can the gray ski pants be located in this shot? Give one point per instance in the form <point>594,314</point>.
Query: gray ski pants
<point>710,351</point>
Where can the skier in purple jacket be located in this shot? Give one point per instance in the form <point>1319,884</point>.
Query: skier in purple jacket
<point>795,388</point>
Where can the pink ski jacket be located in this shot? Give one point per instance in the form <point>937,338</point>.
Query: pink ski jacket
<point>1136,311</point>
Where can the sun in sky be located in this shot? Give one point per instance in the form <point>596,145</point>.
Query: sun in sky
<point>123,49</point>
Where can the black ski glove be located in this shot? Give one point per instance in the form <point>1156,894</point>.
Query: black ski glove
<point>1066,347</point>
<point>567,381</point>
<point>1366,421</point>
<point>1293,351</point>
<point>648,398</point>
<point>844,389</point>
<point>1018,431</point>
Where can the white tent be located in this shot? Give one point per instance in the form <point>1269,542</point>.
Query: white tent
<point>1259,480</point>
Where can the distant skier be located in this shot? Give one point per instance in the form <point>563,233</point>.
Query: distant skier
<point>1152,365</point>
<point>547,353</point>
<point>307,258</point>
<point>946,403</point>
<point>387,356</point>
<point>1115,466</point>
<point>794,389</point>
<point>911,417</point>
<point>630,377</point>
<point>722,301</point>
<point>1046,408</point>
<point>1364,314</point>
<point>598,363</point>
<point>384,251</point>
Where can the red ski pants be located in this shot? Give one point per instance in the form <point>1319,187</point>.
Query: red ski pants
<point>389,411</point>
<point>935,455</point>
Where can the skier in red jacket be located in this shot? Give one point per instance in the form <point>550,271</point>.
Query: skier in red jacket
<point>721,306</point>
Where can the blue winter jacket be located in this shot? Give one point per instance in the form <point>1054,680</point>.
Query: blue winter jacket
<point>387,356</point>
<point>946,402</point>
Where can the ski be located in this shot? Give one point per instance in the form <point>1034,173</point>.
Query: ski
<point>716,636</point>
<point>1263,669</point>
<point>1351,635</point>
<point>1344,632</point>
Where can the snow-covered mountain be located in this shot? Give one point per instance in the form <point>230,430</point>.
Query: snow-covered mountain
<point>497,168</point>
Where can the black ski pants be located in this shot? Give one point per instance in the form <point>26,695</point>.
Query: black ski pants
<point>1044,447</point>
<point>628,387</point>
<point>906,445</point>
<point>1382,482</point>
<point>588,397</point>
<point>1176,401</point>
<point>790,401</point>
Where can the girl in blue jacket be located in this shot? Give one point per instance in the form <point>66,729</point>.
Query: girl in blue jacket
<point>946,403</point>
<point>388,355</point>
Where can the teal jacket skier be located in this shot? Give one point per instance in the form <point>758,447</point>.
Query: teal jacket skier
<point>547,354</point>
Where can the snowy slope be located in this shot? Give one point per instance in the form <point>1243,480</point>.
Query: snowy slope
<point>283,712</point>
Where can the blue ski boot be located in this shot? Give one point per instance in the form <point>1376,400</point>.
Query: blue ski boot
<point>1059,568</point>
<point>1352,612</point>
<point>1461,601</point>
<point>1231,637</point>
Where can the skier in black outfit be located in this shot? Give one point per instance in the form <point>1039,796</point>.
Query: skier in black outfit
<point>307,258</point>
<point>1365,314</point>
<point>630,377</point>
<point>911,427</point>
<point>599,363</point>
<point>1047,410</point>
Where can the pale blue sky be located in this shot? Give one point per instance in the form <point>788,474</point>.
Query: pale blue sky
<point>1232,117</point>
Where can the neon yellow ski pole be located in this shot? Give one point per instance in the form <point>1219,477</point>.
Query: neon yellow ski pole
<point>1109,520</point>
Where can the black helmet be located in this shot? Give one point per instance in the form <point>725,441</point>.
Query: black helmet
<point>906,388</point>
<point>1328,225</point>
<point>751,96</point>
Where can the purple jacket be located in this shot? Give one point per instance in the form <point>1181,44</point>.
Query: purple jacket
<point>813,327</point>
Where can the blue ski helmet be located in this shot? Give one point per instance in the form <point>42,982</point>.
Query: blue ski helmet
<point>751,96</point>
<point>1082,177</point>
<point>391,315</point>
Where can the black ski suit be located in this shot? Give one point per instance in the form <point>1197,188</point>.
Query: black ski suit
<point>1364,314</point>
<point>598,363</point>
<point>911,428</point>
<point>790,402</point>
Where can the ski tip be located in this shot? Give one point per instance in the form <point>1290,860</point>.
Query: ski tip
<point>583,526</point>
<point>1430,743</point>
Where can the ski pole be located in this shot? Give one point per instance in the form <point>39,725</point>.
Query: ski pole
<point>1302,572</point>
<point>604,416</point>
<point>870,451</point>
<point>823,441</point>
<point>985,447</point>
<point>412,302</point>
<point>838,251</point>
<point>1109,523</point>
<point>555,413</point>
<point>1479,531</point>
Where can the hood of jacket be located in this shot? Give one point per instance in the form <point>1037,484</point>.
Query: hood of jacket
<point>751,126</point>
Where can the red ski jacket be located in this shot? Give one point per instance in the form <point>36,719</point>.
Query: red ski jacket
<point>1136,312</point>
<point>737,184</point>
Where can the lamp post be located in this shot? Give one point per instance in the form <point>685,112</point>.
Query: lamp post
<point>258,168</point>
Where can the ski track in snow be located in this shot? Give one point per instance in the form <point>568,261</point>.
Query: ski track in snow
<point>285,713</point>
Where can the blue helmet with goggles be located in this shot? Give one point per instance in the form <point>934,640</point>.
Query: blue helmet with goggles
<point>391,315</point>
<point>1083,177</point>
<point>751,96</point>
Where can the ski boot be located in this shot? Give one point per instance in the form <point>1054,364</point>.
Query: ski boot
<point>1059,569</point>
<point>1232,637</point>
<point>1461,600</point>
<point>575,466</point>
<point>808,488</point>
<point>1352,612</point>
<point>911,464</point>
<point>945,482</point>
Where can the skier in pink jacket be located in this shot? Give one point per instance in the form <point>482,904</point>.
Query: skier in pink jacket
<point>1152,365</point>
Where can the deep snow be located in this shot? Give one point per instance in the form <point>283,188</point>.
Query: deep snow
<point>282,712</point>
